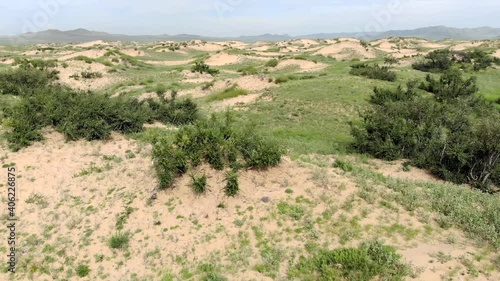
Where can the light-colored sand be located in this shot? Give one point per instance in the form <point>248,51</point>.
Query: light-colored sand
<point>146,96</point>
<point>304,65</point>
<point>91,44</point>
<point>89,53</point>
<point>347,49</point>
<point>168,62</point>
<point>223,59</point>
<point>76,67</point>
<point>7,61</point>
<point>208,47</point>
<point>497,54</point>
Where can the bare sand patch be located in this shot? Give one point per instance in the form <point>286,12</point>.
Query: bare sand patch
<point>7,61</point>
<point>223,59</point>
<point>76,67</point>
<point>497,54</point>
<point>347,49</point>
<point>395,170</point>
<point>91,44</point>
<point>208,47</point>
<point>304,65</point>
<point>195,77</point>
<point>94,54</point>
<point>148,96</point>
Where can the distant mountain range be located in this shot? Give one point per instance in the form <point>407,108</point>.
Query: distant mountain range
<point>83,35</point>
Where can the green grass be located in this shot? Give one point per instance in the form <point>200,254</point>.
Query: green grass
<point>231,92</point>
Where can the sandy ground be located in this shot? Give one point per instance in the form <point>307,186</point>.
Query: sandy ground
<point>497,54</point>
<point>347,49</point>
<point>304,65</point>
<point>223,59</point>
<point>208,47</point>
<point>76,67</point>
<point>91,44</point>
<point>77,205</point>
<point>89,53</point>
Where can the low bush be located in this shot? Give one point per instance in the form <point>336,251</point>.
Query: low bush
<point>373,72</point>
<point>215,142</point>
<point>248,70</point>
<point>119,241</point>
<point>444,60</point>
<point>199,184</point>
<point>24,81</point>
<point>232,186</point>
<point>83,114</point>
<point>272,63</point>
<point>231,92</point>
<point>369,261</point>
<point>202,67</point>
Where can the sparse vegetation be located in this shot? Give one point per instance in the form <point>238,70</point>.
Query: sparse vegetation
<point>202,67</point>
<point>231,92</point>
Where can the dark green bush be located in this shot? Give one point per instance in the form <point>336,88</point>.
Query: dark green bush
<point>215,142</point>
<point>202,67</point>
<point>369,261</point>
<point>90,75</point>
<point>83,114</point>
<point>24,81</point>
<point>199,184</point>
<point>373,72</point>
<point>452,132</point>
<point>232,186</point>
<point>444,60</point>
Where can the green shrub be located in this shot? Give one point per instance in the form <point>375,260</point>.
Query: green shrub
<point>82,270</point>
<point>119,241</point>
<point>24,81</point>
<point>373,72</point>
<point>444,60</point>
<point>199,184</point>
<point>90,75</point>
<point>451,132</point>
<point>272,63</point>
<point>232,186</point>
<point>215,142</point>
<point>231,92</point>
<point>85,59</point>
<point>85,114</point>
<point>369,261</point>
<point>248,70</point>
<point>202,67</point>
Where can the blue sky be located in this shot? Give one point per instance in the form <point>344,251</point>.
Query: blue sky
<point>243,17</point>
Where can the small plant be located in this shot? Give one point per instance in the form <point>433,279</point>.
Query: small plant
<point>248,70</point>
<point>232,186</point>
<point>91,75</point>
<point>82,270</point>
<point>343,165</point>
<point>231,92</point>
<point>37,199</point>
<point>119,241</point>
<point>199,184</point>
<point>272,63</point>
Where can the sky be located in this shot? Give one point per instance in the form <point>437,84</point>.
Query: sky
<point>242,17</point>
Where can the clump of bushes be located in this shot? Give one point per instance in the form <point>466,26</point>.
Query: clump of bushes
<point>216,142</point>
<point>443,60</point>
<point>272,63</point>
<point>373,72</point>
<point>80,114</point>
<point>370,261</point>
<point>202,67</point>
<point>452,132</point>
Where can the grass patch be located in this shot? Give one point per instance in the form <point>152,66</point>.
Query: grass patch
<point>231,92</point>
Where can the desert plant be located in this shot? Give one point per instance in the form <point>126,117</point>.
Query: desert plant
<point>199,184</point>
<point>272,63</point>
<point>119,241</point>
<point>231,92</point>
<point>373,72</point>
<point>232,186</point>
<point>202,67</point>
<point>82,270</point>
